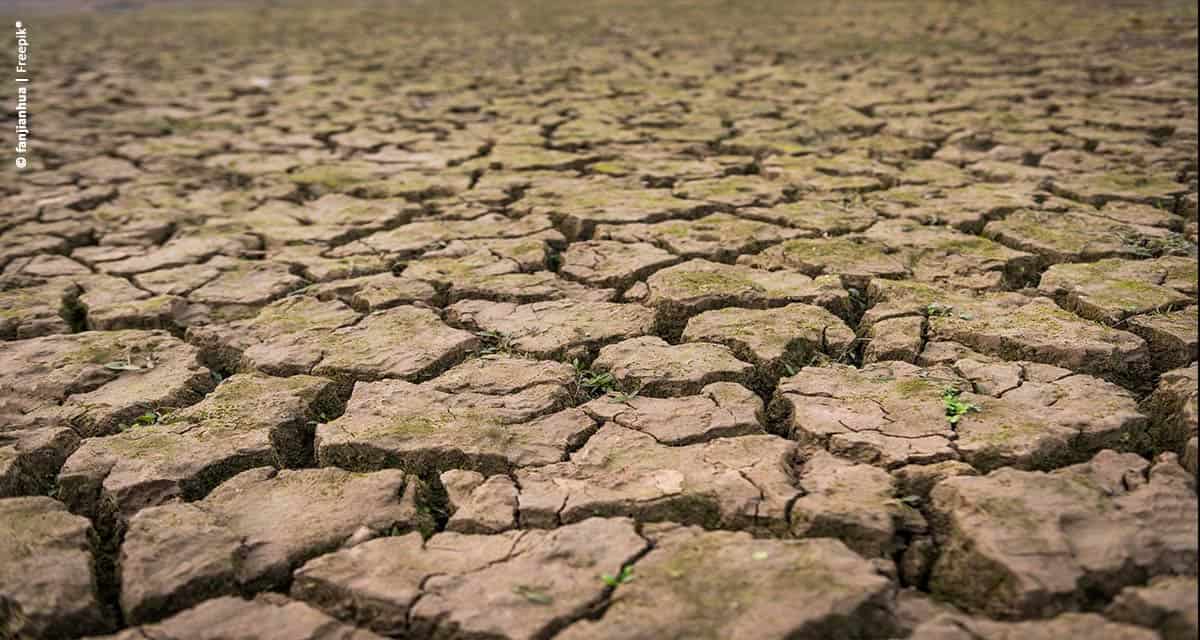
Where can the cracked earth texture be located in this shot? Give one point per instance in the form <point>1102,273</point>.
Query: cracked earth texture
<point>531,320</point>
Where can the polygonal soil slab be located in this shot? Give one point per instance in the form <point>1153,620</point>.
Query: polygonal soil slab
<point>30,459</point>
<point>1171,337</point>
<point>253,530</point>
<point>722,584</point>
<point>719,237</point>
<point>815,217</point>
<point>554,329</point>
<point>1020,328</point>
<point>1168,604</point>
<point>1079,237</point>
<point>31,308</point>
<point>477,504</point>
<point>514,585</point>
<point>1067,625</point>
<point>1174,410</point>
<point>413,239</point>
<point>681,291</point>
<point>1098,188</point>
<point>741,482</point>
<point>853,503</point>
<point>773,339</point>
<point>893,413</point>
<point>375,292</point>
<point>579,206</point>
<point>853,259</point>
<point>485,276</point>
<point>422,429</point>
<point>267,617</point>
<point>249,421</point>
<point>942,255</point>
<point>95,382</point>
<point>1111,290</point>
<point>612,264</point>
<point>721,409</point>
<point>1020,544</point>
<point>47,584</point>
<point>649,366</point>
<point>301,335</point>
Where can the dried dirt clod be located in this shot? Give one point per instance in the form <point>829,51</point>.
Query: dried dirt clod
<point>48,586</point>
<point>519,584</point>
<point>269,616</point>
<point>1018,544</point>
<point>650,366</point>
<point>742,482</point>
<point>252,531</point>
<point>98,381</point>
<point>677,293</point>
<point>555,329</point>
<point>248,421</point>
<point>714,584</point>
<point>720,409</point>
<point>1167,604</point>
<point>418,428</point>
<point>1068,625</point>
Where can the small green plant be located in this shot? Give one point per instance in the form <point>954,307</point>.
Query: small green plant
<point>938,309</point>
<point>624,577</point>
<point>493,342</point>
<point>955,407</point>
<point>592,384</point>
<point>145,420</point>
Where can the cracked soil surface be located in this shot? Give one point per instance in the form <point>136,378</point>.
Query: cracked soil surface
<point>536,319</point>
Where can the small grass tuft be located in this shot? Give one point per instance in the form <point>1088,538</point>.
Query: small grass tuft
<point>955,407</point>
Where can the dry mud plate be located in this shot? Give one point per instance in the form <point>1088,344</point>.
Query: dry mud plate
<point>532,320</point>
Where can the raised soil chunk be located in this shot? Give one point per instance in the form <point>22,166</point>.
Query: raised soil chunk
<point>267,617</point>
<point>30,459</point>
<point>649,366</point>
<point>1067,625</point>
<point>1031,544</point>
<point>742,482</point>
<point>1070,236</point>
<point>1171,337</point>
<point>479,505</point>
<point>580,207</point>
<point>375,292</point>
<point>557,328</point>
<point>1174,410</point>
<point>898,338</point>
<point>853,259</point>
<point>893,413</point>
<point>32,308</point>
<point>97,382</point>
<point>942,255</point>
<point>393,423</point>
<point>774,339</point>
<point>249,421</point>
<point>47,583</point>
<point>724,584</point>
<point>413,239</point>
<point>1168,605</point>
<point>719,237</point>
<point>1017,328</point>
<point>1099,188</point>
<point>513,585</point>
<point>485,276</point>
<point>853,503</point>
<point>721,409</point>
<point>815,217</point>
<point>679,292</point>
<point>251,532</point>
<point>1112,290</point>
<point>612,264</point>
<point>302,335</point>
